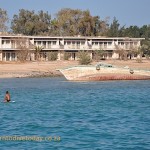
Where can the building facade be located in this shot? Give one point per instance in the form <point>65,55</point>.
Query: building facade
<point>11,46</point>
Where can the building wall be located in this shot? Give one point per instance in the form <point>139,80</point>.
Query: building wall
<point>8,45</point>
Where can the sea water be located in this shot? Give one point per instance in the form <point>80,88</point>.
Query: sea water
<point>52,113</point>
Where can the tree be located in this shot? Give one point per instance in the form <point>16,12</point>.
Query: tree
<point>23,48</point>
<point>114,28</point>
<point>3,20</point>
<point>145,47</point>
<point>103,27</point>
<point>92,25</point>
<point>67,20</point>
<point>23,23</point>
<point>38,50</point>
<point>54,28</point>
<point>30,23</point>
<point>86,24</point>
<point>132,31</point>
<point>42,23</point>
<point>121,52</point>
<point>145,31</point>
<point>73,22</point>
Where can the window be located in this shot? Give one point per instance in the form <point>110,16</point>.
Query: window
<point>7,56</point>
<point>3,55</point>
<point>68,43</point>
<point>7,41</point>
<point>109,43</point>
<point>82,43</point>
<point>39,42</point>
<point>54,42</point>
<point>12,56</point>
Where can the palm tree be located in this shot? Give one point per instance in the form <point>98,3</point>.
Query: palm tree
<point>38,50</point>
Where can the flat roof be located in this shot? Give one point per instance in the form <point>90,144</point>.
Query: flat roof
<point>71,37</point>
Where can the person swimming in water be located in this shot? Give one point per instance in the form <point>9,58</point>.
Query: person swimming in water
<point>7,97</point>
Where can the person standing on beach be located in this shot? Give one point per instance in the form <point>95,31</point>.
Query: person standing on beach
<point>7,97</point>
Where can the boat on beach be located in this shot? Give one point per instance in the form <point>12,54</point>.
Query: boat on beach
<point>103,72</point>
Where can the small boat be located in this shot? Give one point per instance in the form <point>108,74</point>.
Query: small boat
<point>103,72</point>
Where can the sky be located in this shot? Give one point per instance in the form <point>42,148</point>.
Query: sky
<point>127,12</point>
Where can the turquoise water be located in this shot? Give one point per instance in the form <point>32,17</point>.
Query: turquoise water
<point>52,113</point>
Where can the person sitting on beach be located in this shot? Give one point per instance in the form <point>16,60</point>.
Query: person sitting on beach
<point>7,97</point>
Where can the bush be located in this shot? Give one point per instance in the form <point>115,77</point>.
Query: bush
<point>84,58</point>
<point>147,57</point>
<point>67,55</point>
<point>99,54</point>
<point>22,55</point>
<point>139,60</point>
<point>52,56</point>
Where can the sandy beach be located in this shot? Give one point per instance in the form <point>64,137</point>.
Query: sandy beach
<point>43,69</point>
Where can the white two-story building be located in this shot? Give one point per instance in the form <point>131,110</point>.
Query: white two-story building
<point>9,46</point>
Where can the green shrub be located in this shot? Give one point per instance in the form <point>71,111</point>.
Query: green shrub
<point>67,55</point>
<point>84,58</point>
<point>139,60</point>
<point>147,57</point>
<point>52,56</point>
<point>98,55</point>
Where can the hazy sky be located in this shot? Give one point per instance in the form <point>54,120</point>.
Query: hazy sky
<point>127,12</point>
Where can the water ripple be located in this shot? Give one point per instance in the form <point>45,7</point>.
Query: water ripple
<point>91,115</point>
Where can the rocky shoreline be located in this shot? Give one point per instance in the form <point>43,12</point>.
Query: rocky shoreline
<point>44,74</point>
<point>32,74</point>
